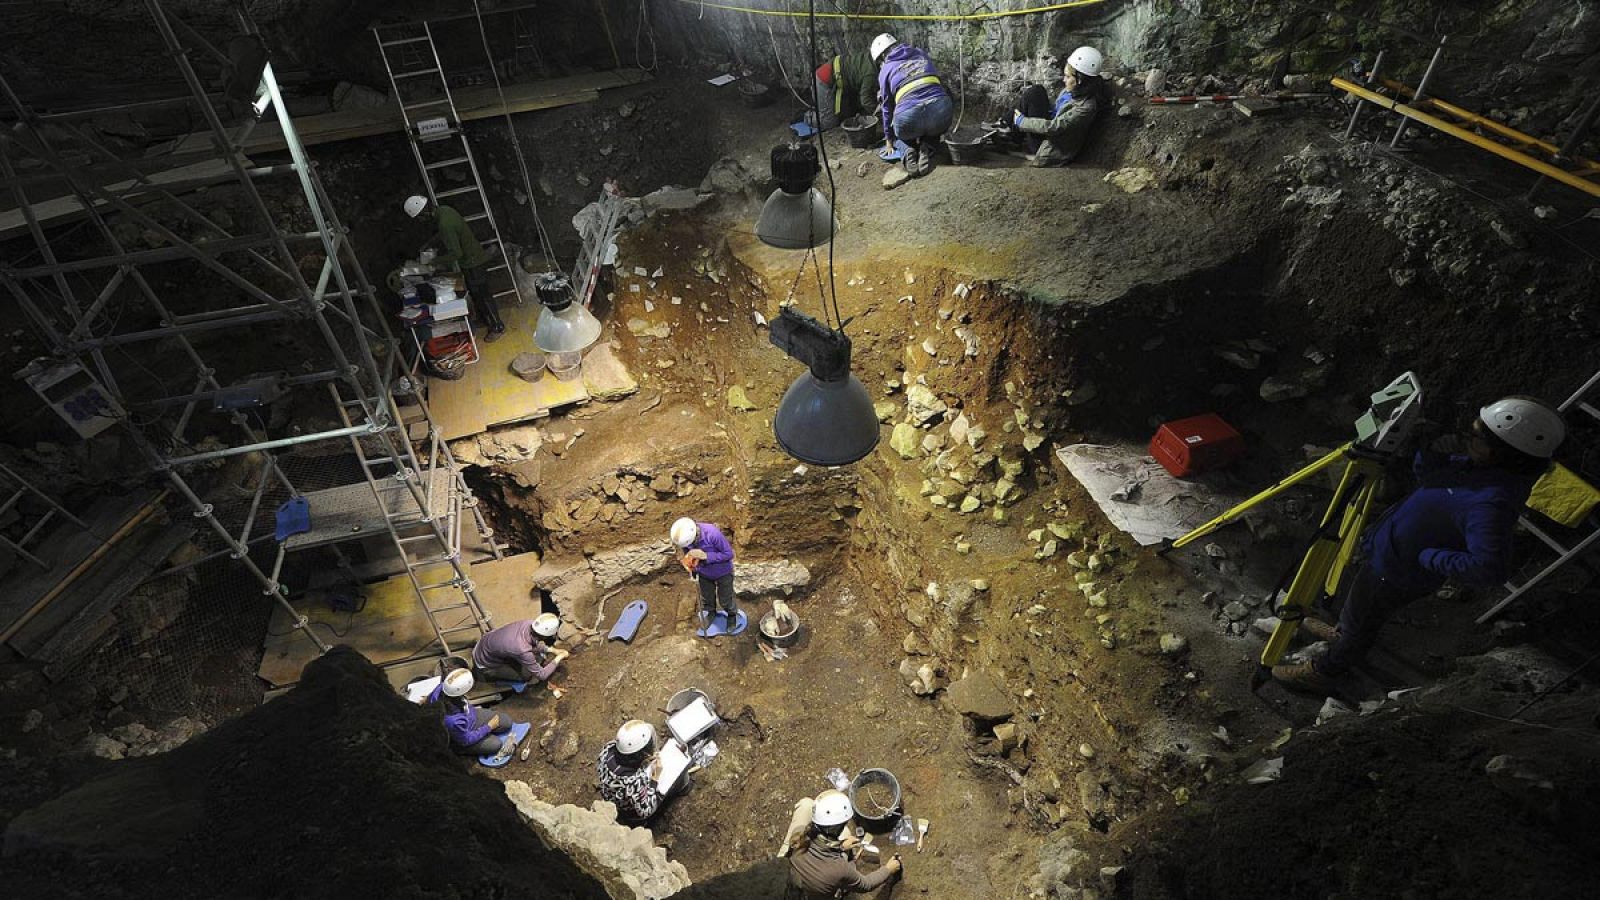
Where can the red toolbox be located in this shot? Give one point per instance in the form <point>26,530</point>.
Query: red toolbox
<point>1196,444</point>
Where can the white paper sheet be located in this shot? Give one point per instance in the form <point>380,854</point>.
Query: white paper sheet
<point>721,80</point>
<point>673,762</point>
<point>417,692</point>
<point>1161,507</point>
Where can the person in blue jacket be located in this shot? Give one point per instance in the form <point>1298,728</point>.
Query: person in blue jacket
<point>473,731</point>
<point>708,556</point>
<point>915,106</point>
<point>1457,524</point>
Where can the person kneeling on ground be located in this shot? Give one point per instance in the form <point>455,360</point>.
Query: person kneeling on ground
<point>518,651</point>
<point>917,108</point>
<point>1458,523</point>
<point>627,773</point>
<point>821,865</point>
<point>473,731</point>
<point>1054,133</point>
<point>846,86</point>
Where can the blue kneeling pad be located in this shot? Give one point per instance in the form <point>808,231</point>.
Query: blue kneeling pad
<point>508,746</point>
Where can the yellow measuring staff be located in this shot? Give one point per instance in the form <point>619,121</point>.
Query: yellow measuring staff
<point>974,17</point>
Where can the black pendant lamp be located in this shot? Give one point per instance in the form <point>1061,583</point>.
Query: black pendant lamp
<point>796,216</point>
<point>826,416</point>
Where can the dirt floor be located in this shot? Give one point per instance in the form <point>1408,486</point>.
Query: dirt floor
<point>1044,308</point>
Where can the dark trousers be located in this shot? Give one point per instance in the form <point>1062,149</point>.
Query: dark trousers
<point>482,297</point>
<point>718,593</point>
<point>491,742</point>
<point>1369,601</point>
<point>503,672</point>
<point>1034,102</point>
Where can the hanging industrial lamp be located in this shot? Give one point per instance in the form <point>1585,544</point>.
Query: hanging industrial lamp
<point>796,216</point>
<point>564,326</point>
<point>826,416</point>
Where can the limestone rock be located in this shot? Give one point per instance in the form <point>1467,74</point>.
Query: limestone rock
<point>625,860</point>
<point>604,375</point>
<point>980,697</point>
<point>896,176</point>
<point>906,441</point>
<point>884,410</point>
<point>923,405</point>
<point>1131,180</point>
<point>739,400</point>
<point>1173,644</point>
<point>103,746</point>
<point>613,567</point>
<point>752,579</point>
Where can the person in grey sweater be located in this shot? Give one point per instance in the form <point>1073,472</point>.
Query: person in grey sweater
<point>1054,133</point>
<point>822,866</point>
<point>517,652</point>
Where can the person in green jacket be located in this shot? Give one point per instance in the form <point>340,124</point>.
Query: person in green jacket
<point>460,248</point>
<point>847,86</point>
<point>1054,133</point>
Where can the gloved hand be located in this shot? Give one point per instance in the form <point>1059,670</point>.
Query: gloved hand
<point>1016,117</point>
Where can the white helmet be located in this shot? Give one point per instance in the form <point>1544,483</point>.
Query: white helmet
<point>634,735</point>
<point>415,204</point>
<point>547,625</point>
<point>881,45</point>
<point>832,808</point>
<point>1527,425</point>
<point>684,531</point>
<point>458,683</point>
<point>1086,60</point>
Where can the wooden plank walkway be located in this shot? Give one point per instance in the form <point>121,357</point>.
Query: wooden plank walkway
<point>490,393</point>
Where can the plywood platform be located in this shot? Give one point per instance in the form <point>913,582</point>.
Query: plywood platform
<point>392,626</point>
<point>471,103</point>
<point>490,394</point>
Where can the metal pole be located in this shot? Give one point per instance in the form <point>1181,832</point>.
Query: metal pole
<point>273,445</point>
<point>1585,122</point>
<point>1355,114</point>
<point>1422,90</point>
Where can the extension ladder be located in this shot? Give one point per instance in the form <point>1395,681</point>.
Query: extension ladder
<point>1581,402</point>
<point>398,471</point>
<point>21,489</point>
<point>438,141</point>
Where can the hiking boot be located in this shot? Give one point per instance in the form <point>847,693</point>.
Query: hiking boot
<point>1304,678</point>
<point>1318,629</point>
<point>924,162</point>
<point>910,162</point>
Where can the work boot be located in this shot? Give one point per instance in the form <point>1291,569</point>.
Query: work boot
<point>1318,629</point>
<point>1303,677</point>
<point>909,161</point>
<point>925,160</point>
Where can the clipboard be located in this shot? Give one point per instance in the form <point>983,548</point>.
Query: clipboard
<point>673,762</point>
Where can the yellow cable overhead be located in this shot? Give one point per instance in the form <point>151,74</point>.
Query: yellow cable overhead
<point>973,17</point>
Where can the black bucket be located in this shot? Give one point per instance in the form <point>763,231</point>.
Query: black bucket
<point>875,796</point>
<point>862,131</point>
<point>754,94</point>
<point>965,146</point>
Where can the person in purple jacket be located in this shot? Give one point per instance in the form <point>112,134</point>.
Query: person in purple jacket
<point>915,106</point>
<point>518,652</point>
<point>1457,523</point>
<point>473,731</point>
<point>708,557</point>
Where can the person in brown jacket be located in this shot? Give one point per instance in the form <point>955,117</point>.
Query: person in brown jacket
<point>821,866</point>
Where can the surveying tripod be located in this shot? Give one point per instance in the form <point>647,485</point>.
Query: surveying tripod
<point>1381,433</point>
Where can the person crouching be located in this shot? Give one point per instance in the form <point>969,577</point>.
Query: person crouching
<point>472,731</point>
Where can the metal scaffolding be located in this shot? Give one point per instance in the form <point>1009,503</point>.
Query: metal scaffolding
<point>116,312</point>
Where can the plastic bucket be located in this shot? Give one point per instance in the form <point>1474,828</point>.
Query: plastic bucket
<point>875,794</point>
<point>780,634</point>
<point>565,366</point>
<point>754,93</point>
<point>965,146</point>
<point>862,131</point>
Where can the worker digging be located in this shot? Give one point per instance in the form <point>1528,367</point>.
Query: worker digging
<point>772,450</point>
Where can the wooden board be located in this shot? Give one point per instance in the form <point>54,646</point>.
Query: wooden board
<point>60,209</point>
<point>490,394</point>
<point>471,103</point>
<point>392,625</point>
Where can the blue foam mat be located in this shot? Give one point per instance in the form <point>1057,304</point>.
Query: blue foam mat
<point>509,748</point>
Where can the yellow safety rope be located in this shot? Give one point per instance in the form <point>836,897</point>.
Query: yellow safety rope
<point>974,17</point>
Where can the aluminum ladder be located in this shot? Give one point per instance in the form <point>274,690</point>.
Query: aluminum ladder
<point>1581,402</point>
<point>438,141</point>
<point>441,513</point>
<point>21,489</point>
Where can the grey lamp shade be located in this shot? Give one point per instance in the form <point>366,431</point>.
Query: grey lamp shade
<point>567,330</point>
<point>796,221</point>
<point>826,423</point>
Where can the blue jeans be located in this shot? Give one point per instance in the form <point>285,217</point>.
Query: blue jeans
<point>926,119</point>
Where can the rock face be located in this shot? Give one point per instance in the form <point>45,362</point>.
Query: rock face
<point>625,860</point>
<point>338,788</point>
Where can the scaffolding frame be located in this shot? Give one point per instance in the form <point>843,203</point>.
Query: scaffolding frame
<point>357,365</point>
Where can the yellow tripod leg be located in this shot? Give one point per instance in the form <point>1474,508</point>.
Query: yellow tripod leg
<point>1273,491</point>
<point>1329,554</point>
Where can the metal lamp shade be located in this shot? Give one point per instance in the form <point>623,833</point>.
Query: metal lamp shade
<point>566,331</point>
<point>796,221</point>
<point>826,423</point>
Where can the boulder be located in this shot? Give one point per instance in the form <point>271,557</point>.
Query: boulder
<point>923,405</point>
<point>979,697</point>
<point>625,860</point>
<point>752,579</point>
<point>906,441</point>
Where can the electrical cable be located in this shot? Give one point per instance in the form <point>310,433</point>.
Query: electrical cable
<point>644,25</point>
<point>546,246</point>
<point>833,190</point>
